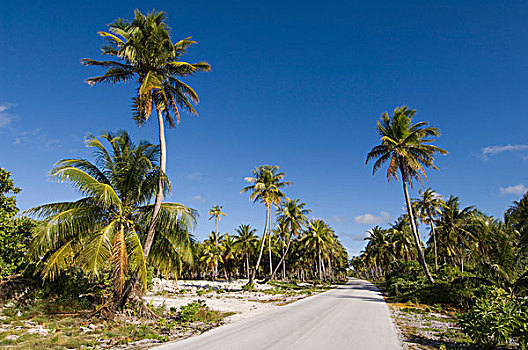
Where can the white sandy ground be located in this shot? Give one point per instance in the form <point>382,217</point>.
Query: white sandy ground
<point>244,304</point>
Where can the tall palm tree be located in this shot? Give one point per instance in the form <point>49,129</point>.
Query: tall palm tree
<point>407,148</point>
<point>295,216</point>
<point>316,240</point>
<point>428,206</point>
<point>216,214</point>
<point>245,243</point>
<point>265,187</point>
<point>110,223</point>
<point>144,53</point>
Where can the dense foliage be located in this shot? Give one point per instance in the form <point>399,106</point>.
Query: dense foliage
<point>15,233</point>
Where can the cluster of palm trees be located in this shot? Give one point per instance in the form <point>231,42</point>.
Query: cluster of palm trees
<point>300,247</point>
<point>463,237</point>
<point>311,252</point>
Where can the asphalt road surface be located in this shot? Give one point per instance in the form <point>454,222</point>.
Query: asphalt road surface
<point>352,316</point>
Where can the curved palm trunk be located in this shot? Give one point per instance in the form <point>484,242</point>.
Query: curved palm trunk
<point>129,287</point>
<point>282,260</point>
<point>434,241</point>
<point>252,276</point>
<point>417,239</point>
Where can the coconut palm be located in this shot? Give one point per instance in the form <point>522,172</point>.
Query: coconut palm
<point>454,227</point>
<point>428,206</point>
<point>216,214</point>
<point>144,53</point>
<point>401,239</point>
<point>245,243</point>
<point>107,228</point>
<point>407,148</point>
<point>316,240</point>
<point>229,256</point>
<point>294,216</point>
<point>379,248</point>
<point>265,187</point>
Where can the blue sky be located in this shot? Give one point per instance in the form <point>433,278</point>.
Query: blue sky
<point>296,84</point>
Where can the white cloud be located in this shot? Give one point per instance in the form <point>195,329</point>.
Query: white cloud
<point>355,236</point>
<point>194,176</point>
<point>372,219</point>
<point>197,198</point>
<point>5,117</point>
<point>494,150</point>
<point>516,190</point>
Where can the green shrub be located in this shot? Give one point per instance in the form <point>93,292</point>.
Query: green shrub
<point>496,319</point>
<point>248,287</point>
<point>189,312</point>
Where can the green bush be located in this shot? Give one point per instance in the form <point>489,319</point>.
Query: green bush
<point>248,287</point>
<point>189,312</point>
<point>406,282</point>
<point>497,319</point>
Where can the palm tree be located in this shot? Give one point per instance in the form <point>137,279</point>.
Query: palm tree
<point>294,216</point>
<point>401,238</point>
<point>407,148</point>
<point>145,53</point>
<point>455,229</point>
<point>316,240</point>
<point>228,255</point>
<point>216,213</point>
<point>110,223</point>
<point>245,243</point>
<point>379,248</point>
<point>428,206</point>
<point>266,185</point>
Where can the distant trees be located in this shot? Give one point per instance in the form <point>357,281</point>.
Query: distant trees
<point>216,213</point>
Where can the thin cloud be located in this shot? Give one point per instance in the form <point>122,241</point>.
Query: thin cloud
<point>516,190</point>
<point>495,150</point>
<point>197,198</point>
<point>194,176</point>
<point>5,116</point>
<point>372,219</point>
<point>355,236</point>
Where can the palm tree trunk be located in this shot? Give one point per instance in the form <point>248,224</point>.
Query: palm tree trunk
<point>159,195</point>
<point>417,239</point>
<point>216,247</point>
<point>319,266</point>
<point>247,266</point>
<point>252,276</point>
<point>269,247</point>
<point>282,260</point>
<point>434,241</point>
<point>129,287</point>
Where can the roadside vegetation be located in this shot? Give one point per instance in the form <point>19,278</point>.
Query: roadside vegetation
<point>473,266</point>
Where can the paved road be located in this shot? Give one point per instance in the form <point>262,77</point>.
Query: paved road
<point>352,316</point>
